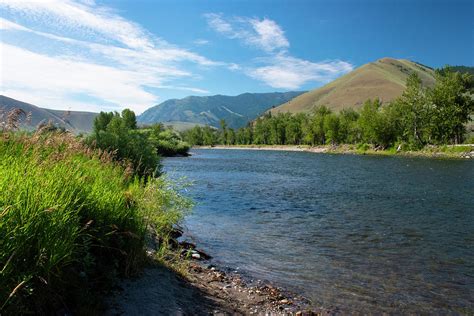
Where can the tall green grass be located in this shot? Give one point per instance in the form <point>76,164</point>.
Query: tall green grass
<point>71,220</point>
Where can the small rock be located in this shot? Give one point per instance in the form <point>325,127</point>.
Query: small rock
<point>284,301</point>
<point>196,256</point>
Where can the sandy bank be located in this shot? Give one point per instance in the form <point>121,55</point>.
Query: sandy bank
<point>452,151</point>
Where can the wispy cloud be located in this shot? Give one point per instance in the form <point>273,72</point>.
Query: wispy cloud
<point>87,50</point>
<point>264,34</point>
<point>286,72</point>
<point>201,41</point>
<point>278,69</point>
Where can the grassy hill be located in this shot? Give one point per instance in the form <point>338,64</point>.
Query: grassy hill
<point>209,110</point>
<point>74,121</point>
<point>383,79</point>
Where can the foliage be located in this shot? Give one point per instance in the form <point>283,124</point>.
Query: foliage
<point>166,141</point>
<point>71,219</point>
<point>419,117</point>
<point>117,134</point>
<point>198,135</point>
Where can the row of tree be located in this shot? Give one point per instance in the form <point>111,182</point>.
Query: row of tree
<point>420,116</point>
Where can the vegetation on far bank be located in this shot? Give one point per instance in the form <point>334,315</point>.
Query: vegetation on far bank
<point>73,217</point>
<point>419,118</point>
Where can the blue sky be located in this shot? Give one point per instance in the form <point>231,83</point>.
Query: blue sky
<point>108,55</point>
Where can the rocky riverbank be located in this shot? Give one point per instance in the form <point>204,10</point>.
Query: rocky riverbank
<point>203,289</point>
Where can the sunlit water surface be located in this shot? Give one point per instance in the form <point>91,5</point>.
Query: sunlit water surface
<point>361,233</point>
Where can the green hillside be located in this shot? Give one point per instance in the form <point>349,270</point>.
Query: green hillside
<point>209,110</point>
<point>383,79</point>
<point>74,121</point>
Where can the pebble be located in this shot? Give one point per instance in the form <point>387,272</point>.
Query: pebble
<point>196,256</point>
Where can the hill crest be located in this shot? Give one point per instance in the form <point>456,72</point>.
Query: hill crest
<point>384,79</point>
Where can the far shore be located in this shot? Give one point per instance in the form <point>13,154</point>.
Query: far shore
<point>448,151</point>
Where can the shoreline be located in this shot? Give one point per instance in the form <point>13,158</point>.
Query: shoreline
<point>449,151</point>
<point>202,289</point>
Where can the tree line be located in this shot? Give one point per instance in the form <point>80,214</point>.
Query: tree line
<point>420,116</point>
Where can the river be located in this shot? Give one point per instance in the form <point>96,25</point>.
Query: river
<point>362,233</point>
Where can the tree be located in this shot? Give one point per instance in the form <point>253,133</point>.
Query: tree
<point>129,119</point>
<point>102,120</point>
<point>452,106</point>
<point>332,128</point>
<point>223,125</point>
<point>230,137</point>
<point>319,135</point>
<point>349,131</point>
<point>375,125</point>
<point>115,133</point>
<point>414,112</point>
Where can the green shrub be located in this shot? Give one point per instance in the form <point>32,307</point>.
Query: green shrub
<point>118,135</point>
<point>70,221</point>
<point>167,142</point>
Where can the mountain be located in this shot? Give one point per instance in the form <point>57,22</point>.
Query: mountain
<point>74,121</point>
<point>384,79</point>
<point>235,110</point>
<point>463,69</point>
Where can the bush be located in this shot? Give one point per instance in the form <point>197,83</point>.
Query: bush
<point>118,135</point>
<point>70,221</point>
<point>167,142</point>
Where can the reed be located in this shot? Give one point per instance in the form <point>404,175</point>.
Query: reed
<point>71,221</point>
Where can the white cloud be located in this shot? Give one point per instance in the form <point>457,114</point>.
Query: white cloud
<point>278,69</point>
<point>201,41</point>
<point>90,51</point>
<point>218,24</point>
<point>263,34</point>
<point>87,17</point>
<point>286,72</point>
<point>53,76</point>
<point>234,67</point>
<point>269,35</point>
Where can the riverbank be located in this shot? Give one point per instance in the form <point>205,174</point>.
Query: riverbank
<point>447,151</point>
<point>201,288</point>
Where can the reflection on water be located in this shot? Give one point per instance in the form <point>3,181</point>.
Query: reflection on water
<point>357,232</point>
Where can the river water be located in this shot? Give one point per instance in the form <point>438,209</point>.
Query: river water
<point>361,233</point>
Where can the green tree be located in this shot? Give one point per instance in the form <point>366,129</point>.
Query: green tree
<point>223,125</point>
<point>129,119</point>
<point>319,133</point>
<point>332,128</point>
<point>452,105</point>
<point>102,120</point>
<point>113,134</point>
<point>349,130</point>
<point>414,111</point>
<point>375,125</point>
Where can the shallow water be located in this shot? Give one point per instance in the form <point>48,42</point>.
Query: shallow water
<point>363,233</point>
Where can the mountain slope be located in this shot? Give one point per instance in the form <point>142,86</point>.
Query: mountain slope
<point>236,110</point>
<point>384,79</point>
<point>74,121</point>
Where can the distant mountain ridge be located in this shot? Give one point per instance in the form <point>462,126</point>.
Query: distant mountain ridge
<point>383,79</point>
<point>209,110</point>
<point>74,121</point>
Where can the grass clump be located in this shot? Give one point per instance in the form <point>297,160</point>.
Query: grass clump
<point>71,220</point>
